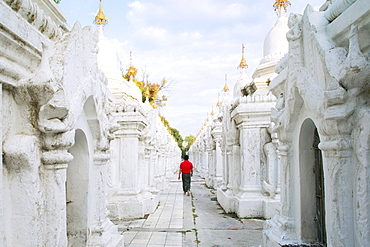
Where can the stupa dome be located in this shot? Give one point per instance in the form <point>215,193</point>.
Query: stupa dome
<point>110,64</point>
<point>275,47</point>
<point>276,44</point>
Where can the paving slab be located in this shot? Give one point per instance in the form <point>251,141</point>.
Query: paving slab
<point>195,220</point>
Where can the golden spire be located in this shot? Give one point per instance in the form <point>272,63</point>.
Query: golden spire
<point>212,112</point>
<point>100,18</point>
<point>243,64</point>
<point>281,4</point>
<point>226,87</point>
<point>131,72</point>
<point>218,100</point>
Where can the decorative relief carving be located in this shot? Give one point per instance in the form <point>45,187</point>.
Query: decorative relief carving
<point>333,84</point>
<point>36,17</point>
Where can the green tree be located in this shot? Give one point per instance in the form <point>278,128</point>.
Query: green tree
<point>188,141</point>
<point>176,134</point>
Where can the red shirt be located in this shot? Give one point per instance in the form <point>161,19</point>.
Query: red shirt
<point>186,166</point>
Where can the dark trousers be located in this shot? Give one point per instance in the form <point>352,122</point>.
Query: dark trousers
<point>186,181</point>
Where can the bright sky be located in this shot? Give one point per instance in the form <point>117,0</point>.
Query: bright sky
<point>192,43</point>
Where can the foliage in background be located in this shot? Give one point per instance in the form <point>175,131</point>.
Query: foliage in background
<point>156,97</point>
<point>178,138</point>
<point>153,91</point>
<point>164,121</point>
<point>175,133</point>
<point>188,141</point>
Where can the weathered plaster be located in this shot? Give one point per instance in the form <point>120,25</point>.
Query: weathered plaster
<point>327,80</point>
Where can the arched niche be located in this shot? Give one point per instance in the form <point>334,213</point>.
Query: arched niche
<point>81,191</point>
<point>92,118</point>
<point>312,191</point>
<point>77,191</point>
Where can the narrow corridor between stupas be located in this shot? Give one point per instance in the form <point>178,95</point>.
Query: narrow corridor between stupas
<point>195,220</point>
<point>277,94</point>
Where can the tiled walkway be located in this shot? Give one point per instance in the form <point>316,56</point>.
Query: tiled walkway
<point>163,227</point>
<point>195,220</point>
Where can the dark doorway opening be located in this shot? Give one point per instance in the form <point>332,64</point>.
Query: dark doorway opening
<point>320,191</point>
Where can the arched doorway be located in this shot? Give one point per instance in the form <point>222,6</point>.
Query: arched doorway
<point>77,192</point>
<point>312,191</point>
<point>320,192</point>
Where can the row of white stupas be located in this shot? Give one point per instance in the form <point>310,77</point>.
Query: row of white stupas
<point>79,147</point>
<point>293,144</point>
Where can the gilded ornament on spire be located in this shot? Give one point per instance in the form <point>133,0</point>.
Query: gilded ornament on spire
<point>100,18</point>
<point>218,100</point>
<point>226,87</point>
<point>132,71</point>
<point>281,4</point>
<point>213,112</point>
<point>243,64</point>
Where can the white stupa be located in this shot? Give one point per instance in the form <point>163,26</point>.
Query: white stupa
<point>227,97</point>
<point>110,64</point>
<point>275,47</point>
<point>244,85</point>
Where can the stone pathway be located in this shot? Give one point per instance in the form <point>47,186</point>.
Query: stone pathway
<point>196,220</point>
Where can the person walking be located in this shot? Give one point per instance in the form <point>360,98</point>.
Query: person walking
<point>186,168</point>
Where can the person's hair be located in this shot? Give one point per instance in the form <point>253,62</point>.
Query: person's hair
<point>186,157</point>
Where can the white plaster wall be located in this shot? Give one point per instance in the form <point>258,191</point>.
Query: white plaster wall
<point>45,94</point>
<point>129,171</point>
<point>113,177</point>
<point>22,191</point>
<point>319,84</point>
<point>20,175</point>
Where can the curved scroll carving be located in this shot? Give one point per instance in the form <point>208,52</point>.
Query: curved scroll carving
<point>36,17</point>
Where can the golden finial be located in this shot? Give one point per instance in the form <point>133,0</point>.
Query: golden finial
<point>226,87</point>
<point>100,18</point>
<point>147,93</point>
<point>218,100</point>
<point>243,64</point>
<point>212,112</point>
<point>281,4</point>
<point>132,71</point>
